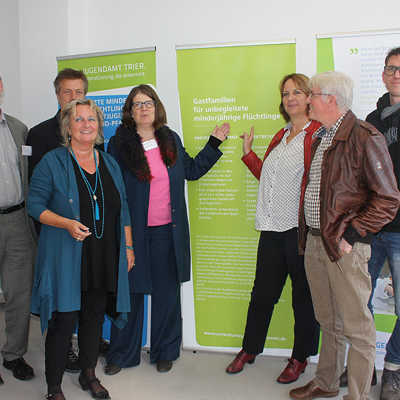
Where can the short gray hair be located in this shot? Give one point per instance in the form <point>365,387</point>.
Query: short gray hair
<point>337,84</point>
<point>69,110</point>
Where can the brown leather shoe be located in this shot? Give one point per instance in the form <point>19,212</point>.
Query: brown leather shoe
<point>292,371</point>
<point>238,363</point>
<point>311,391</point>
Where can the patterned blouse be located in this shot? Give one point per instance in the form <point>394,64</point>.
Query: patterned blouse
<point>280,185</point>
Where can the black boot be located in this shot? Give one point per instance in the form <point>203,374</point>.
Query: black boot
<point>55,393</point>
<point>88,381</point>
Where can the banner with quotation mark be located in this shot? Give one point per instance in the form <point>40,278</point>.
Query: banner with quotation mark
<point>362,57</point>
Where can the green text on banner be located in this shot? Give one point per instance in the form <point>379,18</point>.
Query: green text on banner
<point>111,76</point>
<point>239,85</point>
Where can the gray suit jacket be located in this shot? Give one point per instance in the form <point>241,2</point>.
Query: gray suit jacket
<point>19,132</point>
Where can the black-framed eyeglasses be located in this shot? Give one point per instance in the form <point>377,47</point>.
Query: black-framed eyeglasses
<point>143,104</point>
<point>391,69</point>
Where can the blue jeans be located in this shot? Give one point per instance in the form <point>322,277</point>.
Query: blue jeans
<point>387,245</point>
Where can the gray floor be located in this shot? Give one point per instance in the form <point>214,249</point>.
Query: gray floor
<point>195,376</point>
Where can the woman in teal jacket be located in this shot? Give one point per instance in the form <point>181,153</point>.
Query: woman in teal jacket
<point>85,245</point>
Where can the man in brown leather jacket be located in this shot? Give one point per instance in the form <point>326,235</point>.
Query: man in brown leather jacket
<point>351,193</point>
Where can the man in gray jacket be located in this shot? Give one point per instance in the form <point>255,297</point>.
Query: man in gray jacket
<point>16,242</point>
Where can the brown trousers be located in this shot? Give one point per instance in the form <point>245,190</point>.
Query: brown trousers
<point>340,291</point>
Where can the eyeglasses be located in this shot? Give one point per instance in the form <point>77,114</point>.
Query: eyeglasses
<point>143,104</point>
<point>311,95</point>
<point>391,69</point>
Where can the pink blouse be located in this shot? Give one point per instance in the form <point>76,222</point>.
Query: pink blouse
<point>160,201</point>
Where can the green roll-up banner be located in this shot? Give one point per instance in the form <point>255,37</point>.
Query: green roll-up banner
<point>236,84</point>
<point>111,76</point>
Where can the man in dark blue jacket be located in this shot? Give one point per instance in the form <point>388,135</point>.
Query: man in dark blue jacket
<point>386,244</point>
<point>69,84</point>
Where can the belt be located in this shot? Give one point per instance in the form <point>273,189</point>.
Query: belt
<point>12,209</point>
<point>314,231</point>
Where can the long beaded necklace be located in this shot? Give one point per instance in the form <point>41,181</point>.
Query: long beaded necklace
<point>92,195</point>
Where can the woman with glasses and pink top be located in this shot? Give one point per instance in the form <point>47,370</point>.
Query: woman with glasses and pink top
<point>155,166</point>
<point>281,190</point>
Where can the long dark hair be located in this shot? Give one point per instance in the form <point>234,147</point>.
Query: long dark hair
<point>160,116</point>
<point>129,144</point>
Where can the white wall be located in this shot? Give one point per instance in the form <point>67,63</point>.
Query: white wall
<point>43,36</point>
<point>50,28</point>
<point>9,56</point>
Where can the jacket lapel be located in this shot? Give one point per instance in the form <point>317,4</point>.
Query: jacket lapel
<point>19,141</point>
<point>71,183</point>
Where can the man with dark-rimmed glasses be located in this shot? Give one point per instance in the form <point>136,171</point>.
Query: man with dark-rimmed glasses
<point>386,244</point>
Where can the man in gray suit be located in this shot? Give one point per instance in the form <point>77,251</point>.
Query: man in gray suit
<point>16,243</point>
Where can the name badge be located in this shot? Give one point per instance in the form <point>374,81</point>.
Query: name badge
<point>26,150</point>
<point>150,144</point>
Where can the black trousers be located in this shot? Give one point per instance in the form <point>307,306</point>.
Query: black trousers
<point>60,329</point>
<point>278,257</point>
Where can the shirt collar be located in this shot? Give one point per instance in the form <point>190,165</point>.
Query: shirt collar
<point>289,126</point>
<point>333,129</point>
<point>322,131</point>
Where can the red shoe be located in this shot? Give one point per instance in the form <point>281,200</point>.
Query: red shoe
<point>238,363</point>
<point>292,371</point>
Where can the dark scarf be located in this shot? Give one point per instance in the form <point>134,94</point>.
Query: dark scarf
<point>390,118</point>
<point>130,148</point>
